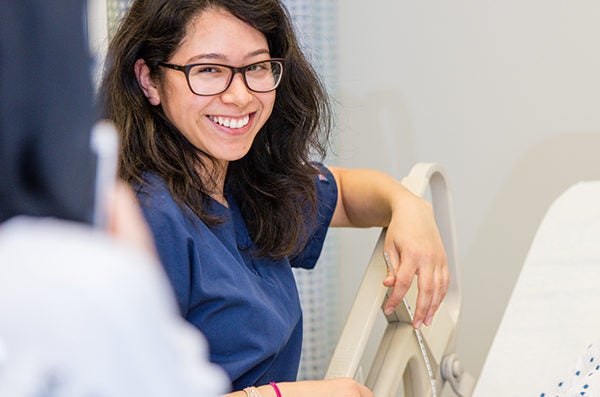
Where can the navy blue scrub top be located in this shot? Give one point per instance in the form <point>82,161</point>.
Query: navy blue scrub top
<point>247,307</point>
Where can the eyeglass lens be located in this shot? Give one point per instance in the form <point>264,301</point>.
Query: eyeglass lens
<point>207,79</point>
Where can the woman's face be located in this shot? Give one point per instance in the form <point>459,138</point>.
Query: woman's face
<point>226,124</point>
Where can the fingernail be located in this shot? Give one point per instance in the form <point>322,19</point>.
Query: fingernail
<point>418,324</point>
<point>428,320</point>
<point>388,310</point>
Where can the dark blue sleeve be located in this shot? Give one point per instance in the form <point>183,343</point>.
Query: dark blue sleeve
<point>326,201</point>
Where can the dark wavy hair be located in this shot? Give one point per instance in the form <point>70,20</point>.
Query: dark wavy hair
<point>274,183</point>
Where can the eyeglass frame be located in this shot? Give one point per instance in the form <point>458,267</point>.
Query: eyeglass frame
<point>185,69</point>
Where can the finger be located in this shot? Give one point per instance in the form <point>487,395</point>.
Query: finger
<point>445,281</point>
<point>392,260</point>
<point>445,273</point>
<point>404,278</point>
<point>441,291</point>
<point>390,278</point>
<point>426,290</point>
<point>437,297</point>
<point>365,392</point>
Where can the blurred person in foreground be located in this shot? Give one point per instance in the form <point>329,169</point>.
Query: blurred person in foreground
<point>84,310</point>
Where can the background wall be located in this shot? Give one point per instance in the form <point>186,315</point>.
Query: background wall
<point>506,95</point>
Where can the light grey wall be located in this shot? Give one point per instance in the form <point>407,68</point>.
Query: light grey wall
<point>505,94</point>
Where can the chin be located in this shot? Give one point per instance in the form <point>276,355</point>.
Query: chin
<point>233,155</point>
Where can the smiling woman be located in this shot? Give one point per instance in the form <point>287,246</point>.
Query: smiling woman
<point>221,117</point>
<point>213,106</point>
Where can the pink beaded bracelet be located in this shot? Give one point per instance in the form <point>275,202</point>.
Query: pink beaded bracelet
<point>274,386</point>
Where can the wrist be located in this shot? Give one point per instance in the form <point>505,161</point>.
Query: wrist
<point>406,200</point>
<point>265,391</point>
<point>275,389</point>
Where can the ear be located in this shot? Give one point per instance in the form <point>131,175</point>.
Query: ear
<point>142,72</point>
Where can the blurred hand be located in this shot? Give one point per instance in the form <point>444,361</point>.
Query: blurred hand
<point>126,221</point>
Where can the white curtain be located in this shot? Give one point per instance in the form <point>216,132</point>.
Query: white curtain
<point>315,24</point>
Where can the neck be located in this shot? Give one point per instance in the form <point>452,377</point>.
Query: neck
<point>220,198</point>
<point>213,177</point>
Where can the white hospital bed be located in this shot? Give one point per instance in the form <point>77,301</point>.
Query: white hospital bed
<point>406,362</point>
<point>554,310</point>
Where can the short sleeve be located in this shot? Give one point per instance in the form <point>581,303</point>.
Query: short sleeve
<point>326,201</point>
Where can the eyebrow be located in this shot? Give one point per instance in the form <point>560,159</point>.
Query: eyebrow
<point>222,57</point>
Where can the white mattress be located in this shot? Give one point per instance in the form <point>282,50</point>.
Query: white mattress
<point>554,310</point>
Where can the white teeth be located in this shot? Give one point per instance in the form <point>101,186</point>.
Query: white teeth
<point>231,122</point>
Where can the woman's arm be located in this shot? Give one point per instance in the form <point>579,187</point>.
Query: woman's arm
<point>339,387</point>
<point>371,198</point>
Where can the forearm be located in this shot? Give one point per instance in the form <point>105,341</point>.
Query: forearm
<point>367,198</point>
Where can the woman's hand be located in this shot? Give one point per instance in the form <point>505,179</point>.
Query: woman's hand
<point>413,244</point>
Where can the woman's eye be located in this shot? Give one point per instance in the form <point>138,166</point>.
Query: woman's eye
<point>259,67</point>
<point>208,69</point>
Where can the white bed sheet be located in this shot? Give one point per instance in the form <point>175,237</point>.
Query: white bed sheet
<point>554,310</point>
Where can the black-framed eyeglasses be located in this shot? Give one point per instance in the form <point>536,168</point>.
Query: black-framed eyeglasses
<point>212,78</point>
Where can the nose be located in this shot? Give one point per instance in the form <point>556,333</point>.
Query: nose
<point>237,92</point>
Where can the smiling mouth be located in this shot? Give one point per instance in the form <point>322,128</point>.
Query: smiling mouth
<point>231,122</point>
